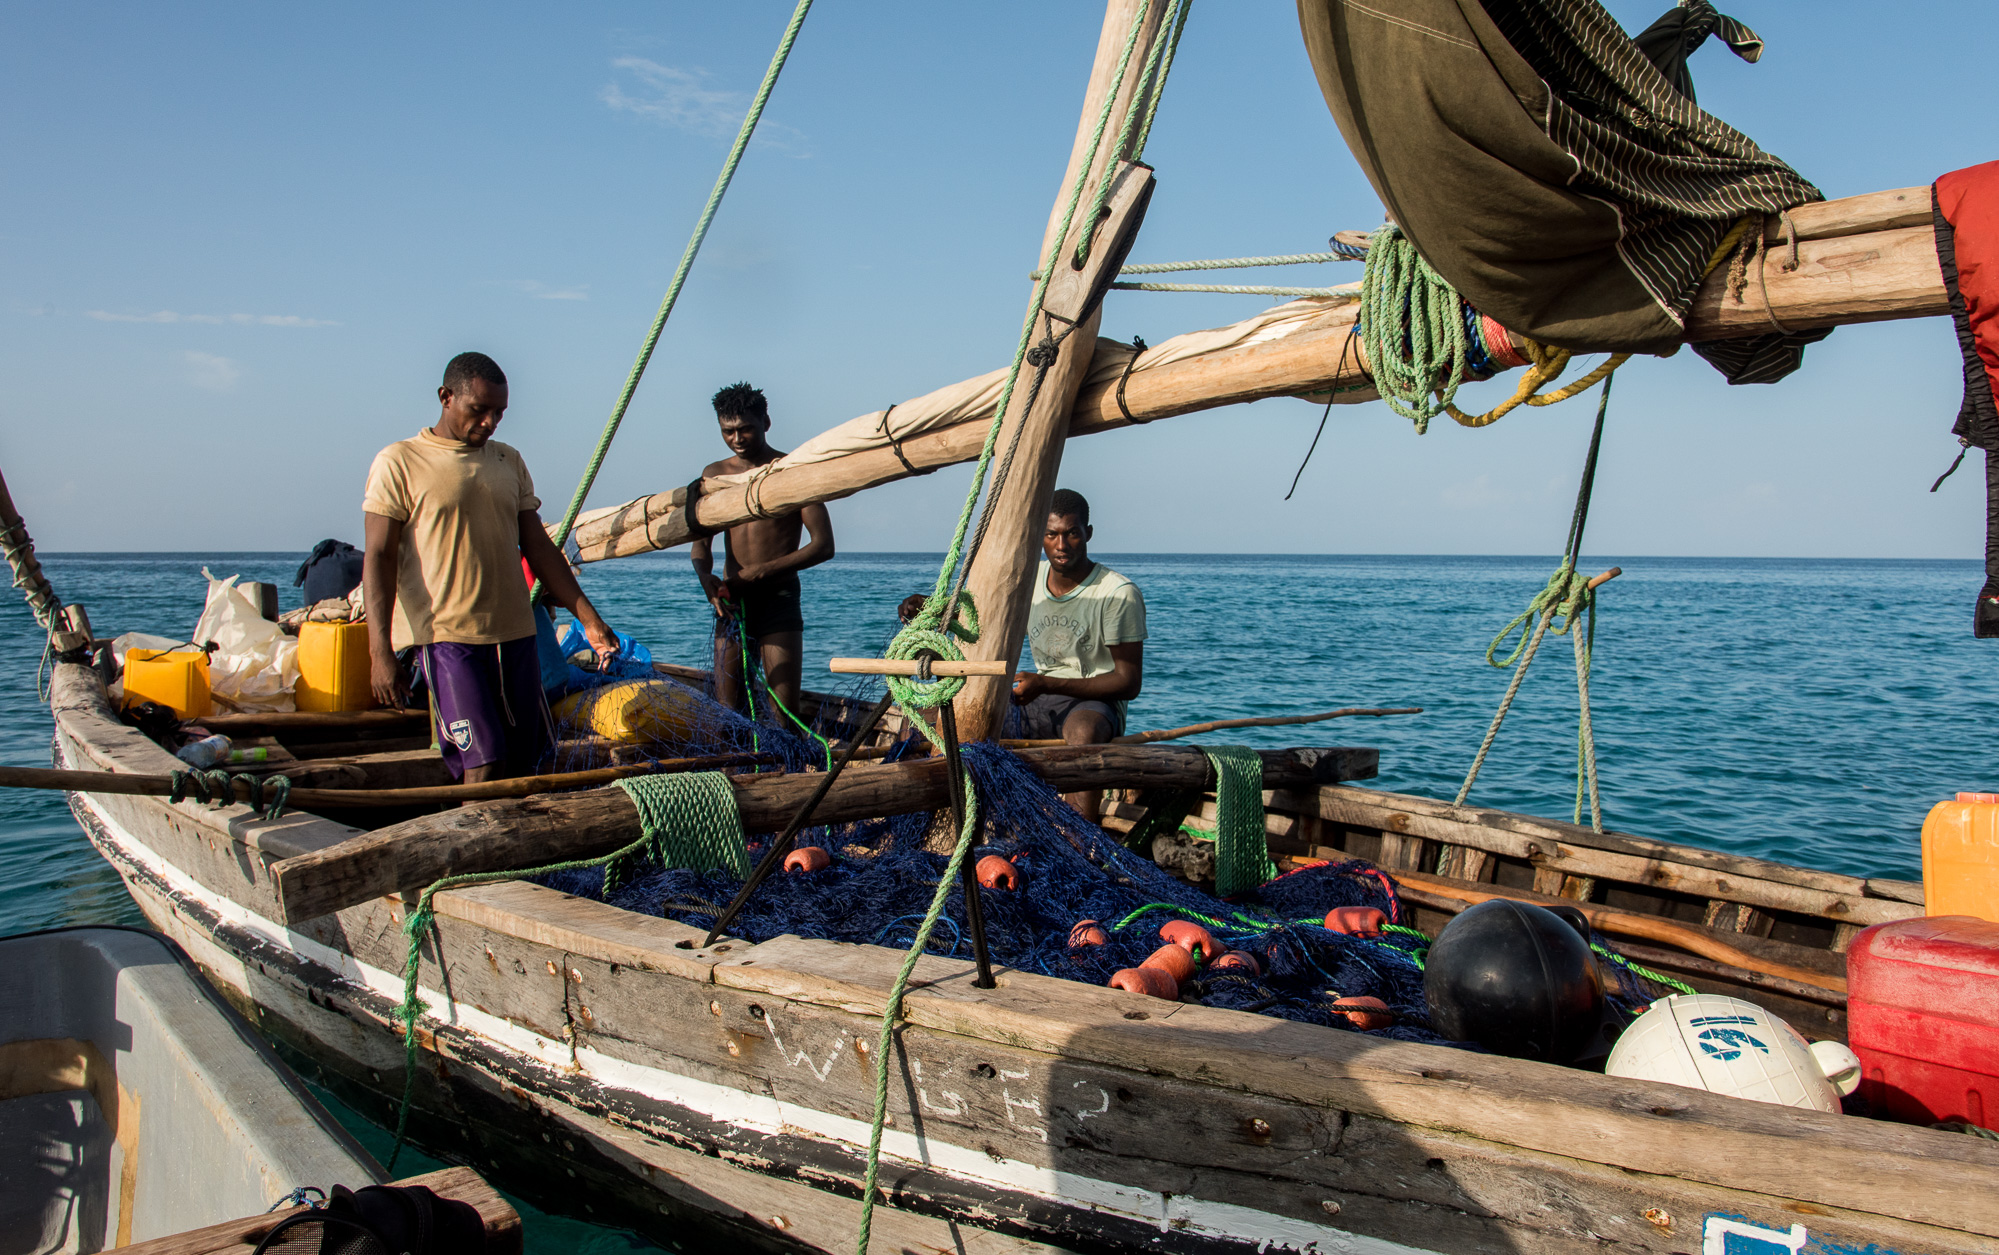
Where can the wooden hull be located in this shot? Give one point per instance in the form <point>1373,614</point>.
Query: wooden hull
<point>601,1063</point>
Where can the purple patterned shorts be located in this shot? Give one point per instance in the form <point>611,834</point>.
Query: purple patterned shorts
<point>489,704</point>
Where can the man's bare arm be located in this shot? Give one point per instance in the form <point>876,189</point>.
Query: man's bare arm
<point>558,583</point>
<point>815,551</point>
<point>381,550</point>
<point>1120,684</point>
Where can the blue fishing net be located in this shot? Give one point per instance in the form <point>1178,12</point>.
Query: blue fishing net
<point>884,872</point>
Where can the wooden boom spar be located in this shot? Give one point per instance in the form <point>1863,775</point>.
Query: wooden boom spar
<point>507,835</point>
<point>1861,259</point>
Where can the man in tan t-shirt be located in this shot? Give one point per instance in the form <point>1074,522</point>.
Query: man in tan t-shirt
<point>450,514</point>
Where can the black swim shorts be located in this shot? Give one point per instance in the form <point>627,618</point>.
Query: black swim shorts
<point>768,607</point>
<point>1043,717</point>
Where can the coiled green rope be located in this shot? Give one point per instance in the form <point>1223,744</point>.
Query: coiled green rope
<point>1242,850</point>
<point>680,273</point>
<point>1412,329</point>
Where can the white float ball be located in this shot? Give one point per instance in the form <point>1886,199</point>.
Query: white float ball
<point>1725,1046</point>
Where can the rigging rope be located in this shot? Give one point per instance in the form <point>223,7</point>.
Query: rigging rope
<point>1567,596</point>
<point>932,629</point>
<point>687,256</point>
<point>1239,289</point>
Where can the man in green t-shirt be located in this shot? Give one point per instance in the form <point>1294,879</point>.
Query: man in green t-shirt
<point>1086,628</point>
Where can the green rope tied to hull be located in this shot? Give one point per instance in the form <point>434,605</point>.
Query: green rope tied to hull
<point>1567,598</point>
<point>700,800</point>
<point>1242,851</point>
<point>1412,329</point>
<point>687,256</point>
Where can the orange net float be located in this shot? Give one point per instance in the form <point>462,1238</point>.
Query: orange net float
<point>1150,981</point>
<point>1190,936</point>
<point>1365,1012</point>
<point>1173,960</point>
<point>995,872</point>
<point>1087,932</point>
<point>1356,921</point>
<point>1236,961</point>
<point>808,858</point>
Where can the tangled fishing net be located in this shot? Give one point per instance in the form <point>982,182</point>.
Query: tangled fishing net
<point>884,871</point>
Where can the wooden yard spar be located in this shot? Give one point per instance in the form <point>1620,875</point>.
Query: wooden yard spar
<point>1865,258</point>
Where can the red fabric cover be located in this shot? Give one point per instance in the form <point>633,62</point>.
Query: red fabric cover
<point>1969,201</point>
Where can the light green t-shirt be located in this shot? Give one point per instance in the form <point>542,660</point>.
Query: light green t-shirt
<point>1071,636</point>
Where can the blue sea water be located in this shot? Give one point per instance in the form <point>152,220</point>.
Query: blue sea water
<point>1804,710</point>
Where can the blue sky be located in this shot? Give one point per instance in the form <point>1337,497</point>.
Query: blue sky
<point>237,243</point>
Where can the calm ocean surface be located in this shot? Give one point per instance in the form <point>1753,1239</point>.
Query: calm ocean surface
<point>1810,711</point>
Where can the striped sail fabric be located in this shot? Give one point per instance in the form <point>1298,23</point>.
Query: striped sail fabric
<point>1679,176</point>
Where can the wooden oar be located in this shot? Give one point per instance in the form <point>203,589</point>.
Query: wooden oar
<point>313,799</point>
<point>1216,725</point>
<point>1425,889</point>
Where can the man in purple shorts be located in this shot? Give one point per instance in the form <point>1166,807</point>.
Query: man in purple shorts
<point>451,513</point>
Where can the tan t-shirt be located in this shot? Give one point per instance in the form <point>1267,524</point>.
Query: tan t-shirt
<point>460,575</point>
<point>1072,635</point>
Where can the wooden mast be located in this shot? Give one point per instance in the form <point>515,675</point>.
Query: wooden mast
<point>1000,576</point>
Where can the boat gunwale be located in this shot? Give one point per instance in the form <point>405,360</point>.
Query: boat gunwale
<point>1502,1100</point>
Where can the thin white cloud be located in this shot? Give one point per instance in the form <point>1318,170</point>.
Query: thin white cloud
<point>543,292</point>
<point>682,99</point>
<point>207,370</point>
<point>213,320</point>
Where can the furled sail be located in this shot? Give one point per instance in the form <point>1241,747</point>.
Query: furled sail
<point>1549,169</point>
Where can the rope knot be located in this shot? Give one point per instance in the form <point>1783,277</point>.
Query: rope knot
<point>1042,355</point>
<point>925,639</point>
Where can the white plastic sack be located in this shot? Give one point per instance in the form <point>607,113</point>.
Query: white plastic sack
<point>255,665</point>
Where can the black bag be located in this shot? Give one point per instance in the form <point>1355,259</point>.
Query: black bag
<point>332,569</point>
<point>380,1220</point>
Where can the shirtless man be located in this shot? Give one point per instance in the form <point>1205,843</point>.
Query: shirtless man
<point>759,584</point>
<point>1086,627</point>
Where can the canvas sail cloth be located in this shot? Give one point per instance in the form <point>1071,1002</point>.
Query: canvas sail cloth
<point>1550,170</point>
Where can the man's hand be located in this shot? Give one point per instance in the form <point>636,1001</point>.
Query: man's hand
<point>1028,686</point>
<point>602,639</point>
<point>385,679</point>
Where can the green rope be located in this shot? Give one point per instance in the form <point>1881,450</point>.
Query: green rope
<point>680,273</point>
<point>1567,597</point>
<point>1242,850</point>
<point>933,627</point>
<point>702,800</point>
<point>1657,978</point>
<point>1137,129</point>
<point>1412,329</point>
<point>893,1010</point>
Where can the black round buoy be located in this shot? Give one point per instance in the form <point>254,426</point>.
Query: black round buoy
<point>1516,979</point>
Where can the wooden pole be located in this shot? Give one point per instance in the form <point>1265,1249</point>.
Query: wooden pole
<point>1031,435</point>
<point>144,785</point>
<point>19,549</point>
<point>1455,896</point>
<point>1862,259</point>
<point>501,836</point>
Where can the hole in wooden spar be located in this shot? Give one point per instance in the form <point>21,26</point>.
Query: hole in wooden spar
<point>1136,1015</point>
<point>684,945</point>
<point>984,1072</point>
<point>756,1012</point>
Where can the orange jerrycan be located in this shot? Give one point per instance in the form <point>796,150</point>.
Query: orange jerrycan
<point>1961,857</point>
<point>333,667</point>
<point>177,678</point>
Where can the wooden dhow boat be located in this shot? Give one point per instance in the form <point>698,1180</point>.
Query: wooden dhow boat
<point>617,1063</point>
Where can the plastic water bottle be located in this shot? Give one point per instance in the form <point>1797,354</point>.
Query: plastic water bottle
<point>255,754</point>
<point>205,753</point>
